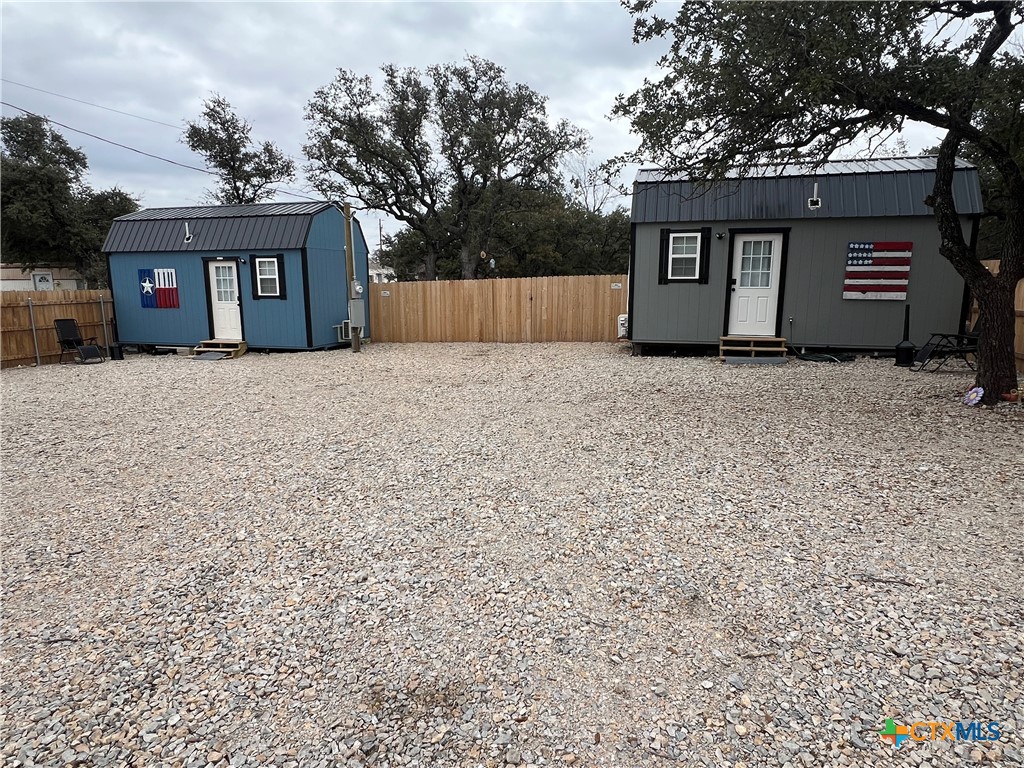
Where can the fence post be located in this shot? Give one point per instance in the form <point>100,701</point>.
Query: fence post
<point>35,341</point>
<point>103,319</point>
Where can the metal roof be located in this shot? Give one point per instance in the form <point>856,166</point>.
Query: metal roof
<point>894,186</point>
<point>265,226</point>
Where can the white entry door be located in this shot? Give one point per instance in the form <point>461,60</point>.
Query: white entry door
<point>754,301</point>
<point>227,316</point>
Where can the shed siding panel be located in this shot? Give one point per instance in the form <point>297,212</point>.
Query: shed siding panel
<point>184,326</point>
<point>816,265</point>
<point>327,273</point>
<point>328,290</point>
<point>274,323</point>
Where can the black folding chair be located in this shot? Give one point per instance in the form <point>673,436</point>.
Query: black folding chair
<point>942,347</point>
<point>70,338</point>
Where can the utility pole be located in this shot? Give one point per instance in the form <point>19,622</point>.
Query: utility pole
<point>354,299</point>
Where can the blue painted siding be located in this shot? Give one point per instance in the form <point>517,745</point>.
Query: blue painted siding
<point>328,284</point>
<point>328,279</point>
<point>186,325</point>
<point>269,322</point>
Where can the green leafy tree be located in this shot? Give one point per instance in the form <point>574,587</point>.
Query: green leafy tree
<point>96,212</point>
<point>778,82</point>
<point>437,150</point>
<point>247,171</point>
<point>48,215</point>
<point>538,233</point>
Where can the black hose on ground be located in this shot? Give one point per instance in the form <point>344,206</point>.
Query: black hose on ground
<point>823,357</point>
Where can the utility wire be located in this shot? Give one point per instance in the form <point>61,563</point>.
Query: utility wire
<point>108,141</point>
<point>89,103</point>
<point>139,151</point>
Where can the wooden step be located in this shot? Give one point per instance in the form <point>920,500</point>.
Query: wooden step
<point>231,347</point>
<point>752,346</point>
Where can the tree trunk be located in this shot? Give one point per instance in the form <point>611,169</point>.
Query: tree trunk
<point>997,371</point>
<point>469,263</point>
<point>430,265</point>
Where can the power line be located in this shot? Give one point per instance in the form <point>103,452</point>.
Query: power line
<point>108,141</point>
<point>89,103</point>
<point>139,151</point>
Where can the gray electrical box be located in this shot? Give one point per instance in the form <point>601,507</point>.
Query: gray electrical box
<point>357,313</point>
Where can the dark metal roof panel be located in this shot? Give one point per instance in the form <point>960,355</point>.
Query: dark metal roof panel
<point>227,211</point>
<point>262,232</point>
<point>888,187</point>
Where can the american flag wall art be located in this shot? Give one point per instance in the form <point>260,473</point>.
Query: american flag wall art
<point>877,270</point>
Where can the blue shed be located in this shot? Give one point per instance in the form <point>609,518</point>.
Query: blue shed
<point>272,275</point>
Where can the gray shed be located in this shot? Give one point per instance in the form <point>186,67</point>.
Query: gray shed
<point>823,258</point>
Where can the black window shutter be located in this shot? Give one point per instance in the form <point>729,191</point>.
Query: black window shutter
<point>255,278</point>
<point>280,276</point>
<point>705,255</point>
<point>663,259</point>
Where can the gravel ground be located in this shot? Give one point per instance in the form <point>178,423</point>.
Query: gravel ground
<point>490,555</point>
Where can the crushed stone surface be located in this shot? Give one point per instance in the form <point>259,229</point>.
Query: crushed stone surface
<point>506,555</point>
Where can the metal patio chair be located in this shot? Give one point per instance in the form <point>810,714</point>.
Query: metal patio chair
<point>942,347</point>
<point>83,350</point>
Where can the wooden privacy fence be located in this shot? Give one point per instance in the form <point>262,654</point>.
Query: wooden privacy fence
<point>26,322</point>
<point>583,308</point>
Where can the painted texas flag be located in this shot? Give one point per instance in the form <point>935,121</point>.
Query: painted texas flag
<point>877,270</point>
<point>158,288</point>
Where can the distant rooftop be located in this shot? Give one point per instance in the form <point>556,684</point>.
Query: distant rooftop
<point>910,163</point>
<point>226,211</point>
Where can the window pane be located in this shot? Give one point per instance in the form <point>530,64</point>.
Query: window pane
<point>747,250</point>
<point>683,266</point>
<point>767,247</point>
<point>745,263</point>
<point>745,280</point>
<point>685,245</point>
<point>267,283</point>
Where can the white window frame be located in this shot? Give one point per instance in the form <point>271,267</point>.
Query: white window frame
<point>695,257</point>
<point>276,277</point>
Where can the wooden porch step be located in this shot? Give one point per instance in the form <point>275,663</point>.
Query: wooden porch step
<point>752,346</point>
<point>231,347</point>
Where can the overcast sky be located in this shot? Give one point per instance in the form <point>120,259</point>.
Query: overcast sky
<point>161,59</point>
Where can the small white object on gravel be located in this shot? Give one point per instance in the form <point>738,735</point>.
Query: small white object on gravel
<point>491,555</point>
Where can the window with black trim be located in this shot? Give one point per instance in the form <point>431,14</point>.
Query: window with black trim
<point>267,276</point>
<point>684,255</point>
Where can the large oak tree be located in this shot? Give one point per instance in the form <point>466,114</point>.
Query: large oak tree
<point>436,150</point>
<point>49,215</point>
<point>780,82</point>
<point>247,170</point>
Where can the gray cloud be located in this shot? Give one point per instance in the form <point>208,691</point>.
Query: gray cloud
<point>160,60</point>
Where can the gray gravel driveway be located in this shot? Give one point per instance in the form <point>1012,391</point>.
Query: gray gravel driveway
<point>491,555</point>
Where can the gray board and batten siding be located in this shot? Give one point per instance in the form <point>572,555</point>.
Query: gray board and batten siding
<point>880,200</point>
